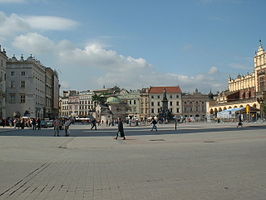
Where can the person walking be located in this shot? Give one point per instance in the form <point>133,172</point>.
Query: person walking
<point>33,123</point>
<point>93,123</point>
<point>56,124</point>
<point>39,123</point>
<point>154,124</point>
<point>120,129</point>
<point>67,124</point>
<point>15,123</point>
<point>239,121</point>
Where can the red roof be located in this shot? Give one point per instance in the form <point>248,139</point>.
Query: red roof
<point>160,90</point>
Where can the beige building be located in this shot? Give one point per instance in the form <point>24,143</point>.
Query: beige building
<point>77,104</point>
<point>194,105</point>
<point>173,94</point>
<point>248,90</point>
<point>3,60</point>
<point>30,88</point>
<point>144,104</point>
<point>86,104</point>
<point>132,97</point>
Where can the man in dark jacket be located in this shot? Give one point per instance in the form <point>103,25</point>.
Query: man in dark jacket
<point>93,124</point>
<point>120,129</point>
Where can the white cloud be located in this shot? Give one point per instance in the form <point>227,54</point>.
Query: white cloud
<point>213,70</point>
<point>11,25</point>
<point>16,24</point>
<point>50,22</point>
<point>95,65</point>
<point>34,42</point>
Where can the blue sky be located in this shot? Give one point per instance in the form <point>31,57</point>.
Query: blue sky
<point>135,44</point>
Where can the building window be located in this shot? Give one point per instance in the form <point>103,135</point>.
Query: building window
<point>171,103</point>
<point>177,110</point>
<point>12,98</point>
<point>177,103</point>
<point>171,96</point>
<point>12,73</point>
<point>23,73</point>
<point>134,101</point>
<point>152,103</point>
<point>158,103</point>
<point>12,85</point>
<point>22,84</point>
<point>152,97</point>
<point>171,109</point>
<point>22,98</point>
<point>158,110</point>
<point>158,96</point>
<point>152,110</point>
<point>177,96</point>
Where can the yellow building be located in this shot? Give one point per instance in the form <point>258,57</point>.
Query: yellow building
<point>248,90</point>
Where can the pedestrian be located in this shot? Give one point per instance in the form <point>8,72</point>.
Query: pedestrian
<point>15,123</point>
<point>93,123</point>
<point>22,123</point>
<point>33,123</point>
<point>154,124</point>
<point>239,121</point>
<point>56,124</point>
<point>3,123</point>
<point>67,124</point>
<point>120,129</point>
<point>39,123</point>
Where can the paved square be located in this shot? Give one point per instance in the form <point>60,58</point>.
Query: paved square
<point>194,162</point>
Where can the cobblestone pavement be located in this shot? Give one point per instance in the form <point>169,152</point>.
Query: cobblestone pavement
<point>204,164</point>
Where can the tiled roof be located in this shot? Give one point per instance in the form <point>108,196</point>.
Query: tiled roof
<point>160,90</point>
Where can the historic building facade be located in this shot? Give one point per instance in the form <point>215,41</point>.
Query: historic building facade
<point>173,95</point>
<point>31,89</point>
<point>3,60</point>
<point>132,98</point>
<point>244,91</point>
<point>144,104</point>
<point>194,105</point>
<point>86,104</point>
<point>77,104</point>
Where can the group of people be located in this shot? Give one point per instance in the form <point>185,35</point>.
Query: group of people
<point>21,123</point>
<point>58,123</point>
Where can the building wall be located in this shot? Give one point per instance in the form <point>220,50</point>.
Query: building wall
<point>132,98</point>
<point>260,69</point>
<point>3,60</point>
<point>174,96</point>
<point>242,82</point>
<point>48,93</point>
<point>55,94</point>
<point>144,104</point>
<point>247,88</point>
<point>86,104</point>
<point>194,105</point>
<point>29,87</point>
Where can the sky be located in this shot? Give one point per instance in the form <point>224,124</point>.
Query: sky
<point>136,43</point>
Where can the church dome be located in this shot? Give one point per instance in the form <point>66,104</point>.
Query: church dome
<point>113,100</point>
